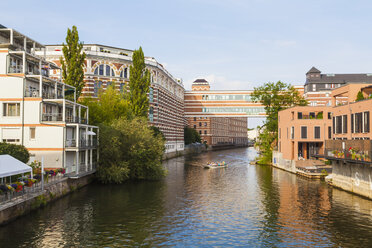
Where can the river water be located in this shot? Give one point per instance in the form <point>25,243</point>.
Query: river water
<point>242,205</point>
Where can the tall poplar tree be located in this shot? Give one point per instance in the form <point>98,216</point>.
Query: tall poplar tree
<point>139,84</point>
<point>73,61</point>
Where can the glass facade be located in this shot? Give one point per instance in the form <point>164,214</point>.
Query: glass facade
<point>224,97</point>
<point>247,110</point>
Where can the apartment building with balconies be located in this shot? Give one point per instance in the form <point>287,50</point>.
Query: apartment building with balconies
<point>106,65</point>
<point>41,112</point>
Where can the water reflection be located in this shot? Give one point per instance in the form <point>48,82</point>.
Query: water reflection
<point>243,205</point>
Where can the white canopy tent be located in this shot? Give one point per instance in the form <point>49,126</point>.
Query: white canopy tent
<point>10,166</point>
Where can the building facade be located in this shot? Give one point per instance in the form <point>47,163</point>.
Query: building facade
<point>106,65</point>
<point>318,86</point>
<point>215,130</point>
<point>40,112</point>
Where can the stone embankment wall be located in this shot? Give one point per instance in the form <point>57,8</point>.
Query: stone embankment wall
<point>352,177</point>
<point>51,192</point>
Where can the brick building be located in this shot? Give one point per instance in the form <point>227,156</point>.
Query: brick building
<point>106,65</point>
<point>216,131</point>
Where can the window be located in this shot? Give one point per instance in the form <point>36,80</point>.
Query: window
<point>329,115</point>
<point>32,132</point>
<point>100,69</point>
<point>280,150</point>
<point>303,132</point>
<point>329,132</point>
<point>151,95</point>
<point>292,132</point>
<point>312,115</point>
<point>194,118</point>
<point>108,84</point>
<point>344,124</point>
<point>108,68</point>
<point>11,109</point>
<point>97,86</point>
<point>205,124</point>
<point>338,124</point>
<point>314,87</point>
<point>358,122</point>
<point>122,87</point>
<point>199,131</point>
<point>200,124</point>
<point>194,126</point>
<point>317,132</point>
<point>205,132</point>
<point>352,123</point>
<point>280,133</point>
<point>151,114</point>
<point>366,122</point>
<point>326,86</point>
<point>299,115</point>
<point>11,141</point>
<point>96,71</point>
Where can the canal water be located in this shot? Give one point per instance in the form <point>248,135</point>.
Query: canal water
<point>242,205</point>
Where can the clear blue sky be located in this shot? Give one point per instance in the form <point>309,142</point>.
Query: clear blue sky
<point>235,44</point>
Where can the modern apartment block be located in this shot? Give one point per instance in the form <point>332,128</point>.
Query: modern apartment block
<point>318,86</point>
<point>106,65</point>
<point>41,112</point>
<point>216,131</point>
<point>302,131</point>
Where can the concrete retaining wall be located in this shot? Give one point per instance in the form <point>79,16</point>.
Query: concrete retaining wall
<point>36,200</point>
<point>284,164</point>
<point>353,177</point>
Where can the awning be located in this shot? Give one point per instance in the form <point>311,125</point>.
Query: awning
<point>10,166</point>
<point>91,133</point>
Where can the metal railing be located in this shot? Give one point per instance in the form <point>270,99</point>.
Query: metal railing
<point>15,69</point>
<point>52,117</point>
<point>349,154</point>
<point>70,143</point>
<point>49,94</point>
<point>32,93</point>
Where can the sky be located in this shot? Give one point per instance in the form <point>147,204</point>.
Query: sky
<point>234,44</point>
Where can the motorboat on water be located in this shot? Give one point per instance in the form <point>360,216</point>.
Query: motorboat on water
<point>213,165</point>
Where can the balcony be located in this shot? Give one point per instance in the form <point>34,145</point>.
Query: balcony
<point>355,151</point>
<point>53,117</point>
<point>15,69</point>
<point>84,143</point>
<point>70,143</point>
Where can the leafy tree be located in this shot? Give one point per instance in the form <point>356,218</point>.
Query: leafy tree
<point>109,106</point>
<point>191,136</point>
<point>275,97</point>
<point>139,84</point>
<point>73,61</point>
<point>130,150</point>
<point>157,132</point>
<point>17,151</point>
<point>359,96</point>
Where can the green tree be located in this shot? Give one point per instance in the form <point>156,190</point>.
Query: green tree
<point>129,149</point>
<point>72,61</point>
<point>17,151</point>
<point>139,84</point>
<point>191,136</point>
<point>109,106</point>
<point>275,97</point>
<point>359,96</point>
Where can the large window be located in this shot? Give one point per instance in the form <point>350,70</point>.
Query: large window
<point>344,124</point>
<point>299,115</point>
<point>101,69</point>
<point>32,133</point>
<point>352,123</point>
<point>292,132</point>
<point>303,132</point>
<point>11,109</point>
<point>338,124</point>
<point>358,122</point>
<point>317,132</point>
<point>329,132</point>
<point>366,122</point>
<point>97,86</point>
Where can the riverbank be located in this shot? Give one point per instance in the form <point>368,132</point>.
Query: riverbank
<point>53,191</point>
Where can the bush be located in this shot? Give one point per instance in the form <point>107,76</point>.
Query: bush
<point>129,149</point>
<point>191,135</point>
<point>17,151</point>
<point>359,96</point>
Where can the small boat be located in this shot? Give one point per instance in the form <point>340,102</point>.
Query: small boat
<point>214,165</point>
